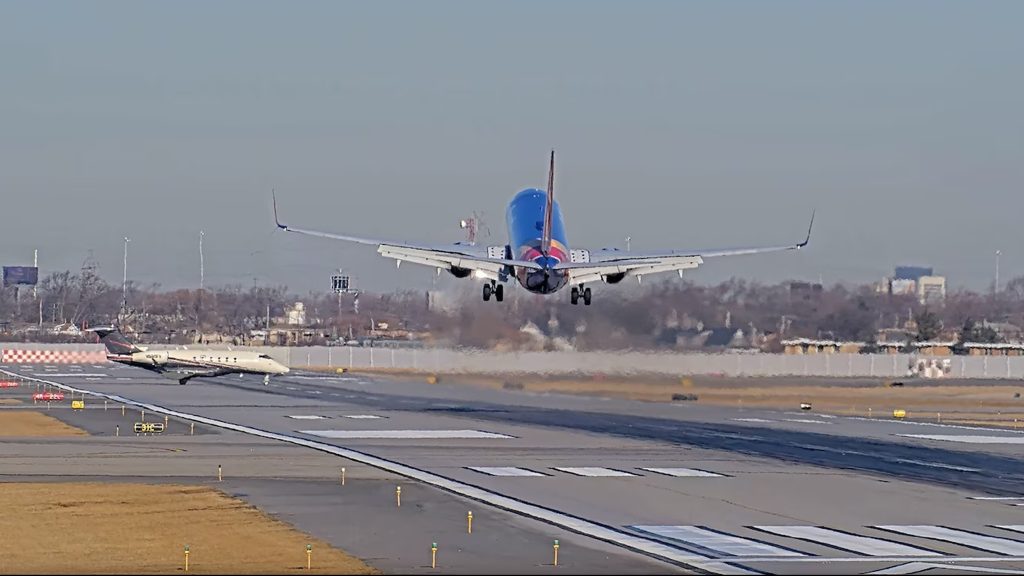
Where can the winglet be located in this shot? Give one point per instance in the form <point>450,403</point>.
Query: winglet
<point>276,221</point>
<point>809,227</point>
<point>545,242</point>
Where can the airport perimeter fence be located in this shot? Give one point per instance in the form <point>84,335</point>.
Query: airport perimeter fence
<point>554,363</point>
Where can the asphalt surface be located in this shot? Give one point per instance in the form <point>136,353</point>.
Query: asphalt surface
<point>830,483</point>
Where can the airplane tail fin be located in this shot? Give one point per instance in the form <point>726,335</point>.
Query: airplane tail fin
<point>545,242</point>
<point>115,341</point>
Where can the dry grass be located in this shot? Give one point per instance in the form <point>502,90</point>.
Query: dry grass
<point>108,528</point>
<point>9,401</point>
<point>25,423</point>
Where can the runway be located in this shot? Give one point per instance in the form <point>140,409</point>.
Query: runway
<point>716,490</point>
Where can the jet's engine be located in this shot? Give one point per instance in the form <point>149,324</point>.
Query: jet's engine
<point>460,272</point>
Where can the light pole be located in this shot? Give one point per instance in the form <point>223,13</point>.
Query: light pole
<point>628,238</point>
<point>202,269</point>
<point>124,282</point>
<point>998,253</point>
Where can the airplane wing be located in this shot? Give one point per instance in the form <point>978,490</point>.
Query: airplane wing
<point>465,256</point>
<point>613,263</point>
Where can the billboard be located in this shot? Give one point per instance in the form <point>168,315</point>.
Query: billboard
<point>21,275</point>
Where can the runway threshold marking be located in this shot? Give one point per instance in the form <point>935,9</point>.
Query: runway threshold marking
<point>961,538</point>
<point>718,542</point>
<point>847,542</point>
<point>612,535</point>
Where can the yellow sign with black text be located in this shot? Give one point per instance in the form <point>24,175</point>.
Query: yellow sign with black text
<point>149,427</point>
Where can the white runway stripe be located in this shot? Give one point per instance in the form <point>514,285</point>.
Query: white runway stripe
<point>73,375</point>
<point>595,471</point>
<point>360,416</point>
<point>504,471</point>
<point>683,472</point>
<point>968,439</point>
<point>307,417</point>
<point>717,542</point>
<point>849,542</point>
<point>403,434</point>
<point>961,537</point>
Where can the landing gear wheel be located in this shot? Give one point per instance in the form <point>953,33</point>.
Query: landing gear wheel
<point>586,297</point>
<point>499,292</point>
<point>574,295</point>
<point>487,292</point>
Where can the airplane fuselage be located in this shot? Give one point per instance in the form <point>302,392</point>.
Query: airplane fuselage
<point>525,220</point>
<point>200,360</point>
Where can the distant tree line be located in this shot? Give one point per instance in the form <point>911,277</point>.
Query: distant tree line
<point>657,315</point>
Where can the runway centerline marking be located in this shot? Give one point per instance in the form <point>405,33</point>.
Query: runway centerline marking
<point>403,434</point>
<point>596,472</point>
<point>684,472</point>
<point>504,471</point>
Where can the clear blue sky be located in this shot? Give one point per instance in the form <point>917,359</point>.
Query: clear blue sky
<point>681,124</point>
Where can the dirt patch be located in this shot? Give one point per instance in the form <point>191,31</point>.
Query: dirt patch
<point>9,401</point>
<point>26,423</point>
<point>110,528</point>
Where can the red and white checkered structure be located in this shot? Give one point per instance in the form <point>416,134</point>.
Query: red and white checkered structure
<point>53,356</point>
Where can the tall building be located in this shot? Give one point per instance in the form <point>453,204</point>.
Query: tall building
<point>931,289</point>
<point>918,281</point>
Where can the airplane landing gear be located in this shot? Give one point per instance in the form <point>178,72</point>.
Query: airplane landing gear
<point>493,288</point>
<point>576,292</point>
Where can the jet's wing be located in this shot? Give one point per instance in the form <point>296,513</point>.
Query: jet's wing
<point>466,256</point>
<point>611,263</point>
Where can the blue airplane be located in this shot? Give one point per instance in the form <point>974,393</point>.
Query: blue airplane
<point>538,255</point>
